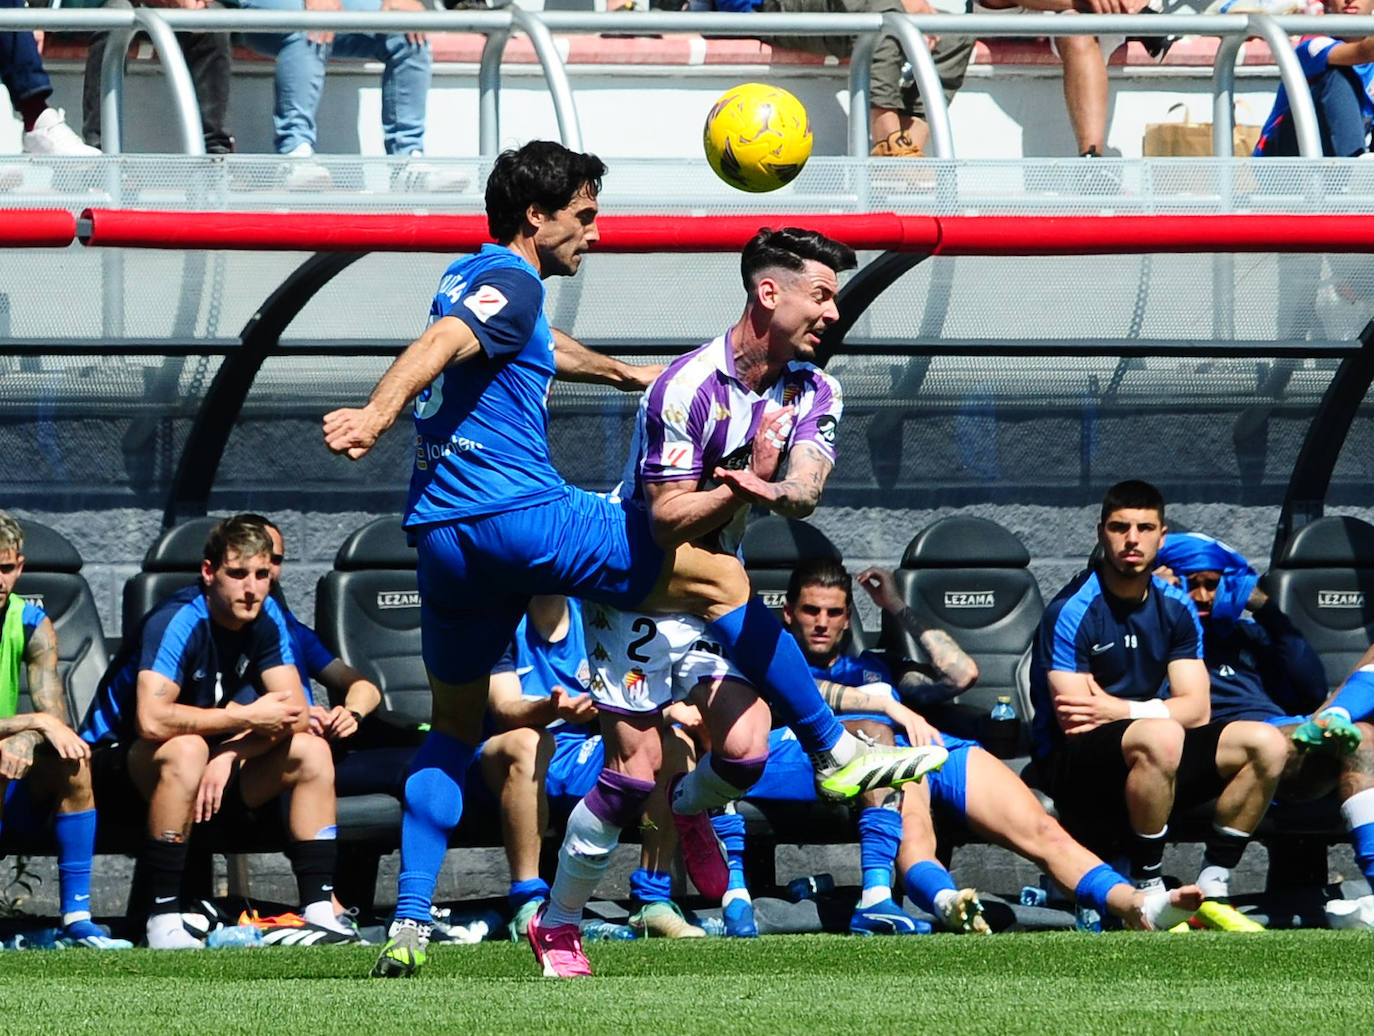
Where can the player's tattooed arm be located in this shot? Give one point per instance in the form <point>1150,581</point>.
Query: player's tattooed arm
<point>799,491</point>
<point>950,667</point>
<point>354,430</point>
<point>45,685</point>
<point>843,698</point>
<point>573,361</point>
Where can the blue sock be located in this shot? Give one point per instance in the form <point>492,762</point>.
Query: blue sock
<point>924,881</point>
<point>1356,695</point>
<point>433,807</point>
<point>730,830</point>
<point>651,886</point>
<point>768,655</point>
<point>521,892</point>
<point>75,834</point>
<point>1094,886</point>
<point>880,833</point>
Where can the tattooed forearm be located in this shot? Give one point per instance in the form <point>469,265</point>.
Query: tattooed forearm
<point>952,666</point>
<point>800,491</point>
<point>842,698</point>
<point>45,686</point>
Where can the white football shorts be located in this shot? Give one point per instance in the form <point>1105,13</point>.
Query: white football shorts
<point>644,663</point>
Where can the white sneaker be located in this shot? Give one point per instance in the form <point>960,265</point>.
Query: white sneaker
<point>301,174</point>
<point>52,136</point>
<point>418,175</point>
<point>1351,913</point>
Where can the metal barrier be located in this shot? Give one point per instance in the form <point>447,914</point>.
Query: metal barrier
<point>497,26</point>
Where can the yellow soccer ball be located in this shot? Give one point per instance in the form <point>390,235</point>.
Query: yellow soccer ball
<point>757,137</point>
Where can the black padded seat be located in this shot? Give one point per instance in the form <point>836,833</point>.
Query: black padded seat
<point>772,547</point>
<point>172,563</point>
<point>1324,581</point>
<point>52,579</point>
<point>367,612</point>
<point>969,576</point>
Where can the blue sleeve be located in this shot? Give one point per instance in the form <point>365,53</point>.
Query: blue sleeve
<point>1312,52</point>
<point>1185,633</point>
<point>501,308</point>
<point>506,663</point>
<point>168,638</point>
<point>308,646</point>
<point>1294,676</point>
<point>271,643</point>
<point>31,619</point>
<point>1065,650</point>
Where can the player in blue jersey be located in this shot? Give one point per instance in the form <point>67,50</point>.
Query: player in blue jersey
<point>1263,668</point>
<point>973,789</point>
<point>1340,76</point>
<point>203,714</point>
<point>1121,732</point>
<point>494,523</point>
<point>44,767</point>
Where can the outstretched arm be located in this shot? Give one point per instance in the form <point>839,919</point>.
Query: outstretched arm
<point>954,670</point>
<point>355,430</point>
<point>575,362</point>
<point>798,492</point>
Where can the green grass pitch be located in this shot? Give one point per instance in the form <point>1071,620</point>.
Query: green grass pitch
<point>1314,982</point>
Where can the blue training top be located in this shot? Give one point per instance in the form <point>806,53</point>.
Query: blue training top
<point>542,665</point>
<point>868,667</point>
<point>1262,668</point>
<point>1126,645</point>
<point>481,427</point>
<point>1312,53</point>
<point>312,657</point>
<point>210,664</point>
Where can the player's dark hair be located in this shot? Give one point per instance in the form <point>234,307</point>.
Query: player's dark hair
<point>1133,495</point>
<point>541,173</point>
<point>261,519</point>
<point>790,248</point>
<point>823,572</point>
<point>243,534</point>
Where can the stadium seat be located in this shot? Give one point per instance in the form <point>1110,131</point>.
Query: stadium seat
<point>367,611</point>
<point>52,579</point>
<point>1324,581</point>
<point>969,576</point>
<point>772,546</point>
<point>172,562</point>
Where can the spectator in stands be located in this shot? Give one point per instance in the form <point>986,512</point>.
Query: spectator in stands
<point>207,58</point>
<point>301,58</point>
<point>1085,60</point>
<point>973,788</point>
<point>896,114</point>
<point>1263,668</point>
<point>1340,75</point>
<point>204,714</point>
<point>1121,732</point>
<point>45,768</point>
<point>21,70</point>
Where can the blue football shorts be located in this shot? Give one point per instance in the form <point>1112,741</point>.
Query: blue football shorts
<point>476,577</point>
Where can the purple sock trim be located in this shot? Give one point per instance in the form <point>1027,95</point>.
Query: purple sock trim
<point>739,773</point>
<point>617,798</point>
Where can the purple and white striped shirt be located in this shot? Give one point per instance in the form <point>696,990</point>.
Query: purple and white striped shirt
<point>698,415</point>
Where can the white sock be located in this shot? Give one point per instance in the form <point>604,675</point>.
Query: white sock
<point>321,915</point>
<point>166,932</point>
<point>944,899</point>
<point>1162,914</point>
<point>1214,881</point>
<point>703,789</point>
<point>873,895</point>
<point>733,894</point>
<point>582,860</point>
<point>75,916</point>
<point>845,749</point>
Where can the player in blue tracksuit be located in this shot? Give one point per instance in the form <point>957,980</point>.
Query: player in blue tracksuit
<point>45,770</point>
<point>494,523</point>
<point>974,788</point>
<point>205,711</point>
<point>1263,668</point>
<point>1112,752</point>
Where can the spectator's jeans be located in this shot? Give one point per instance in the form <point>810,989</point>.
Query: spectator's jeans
<point>207,57</point>
<point>21,66</point>
<point>1340,122</point>
<point>300,78</point>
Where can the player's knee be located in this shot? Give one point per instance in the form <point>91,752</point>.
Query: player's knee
<point>879,732</point>
<point>434,798</point>
<point>310,759</point>
<point>181,760</point>
<point>523,748</point>
<point>1076,47</point>
<point>1155,743</point>
<point>1270,751</point>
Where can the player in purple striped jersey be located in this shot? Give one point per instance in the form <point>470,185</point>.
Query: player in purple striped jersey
<point>743,419</point>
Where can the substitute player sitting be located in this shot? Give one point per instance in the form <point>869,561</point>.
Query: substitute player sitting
<point>494,523</point>
<point>744,418</point>
<point>44,767</point>
<point>1121,731</point>
<point>204,713</point>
